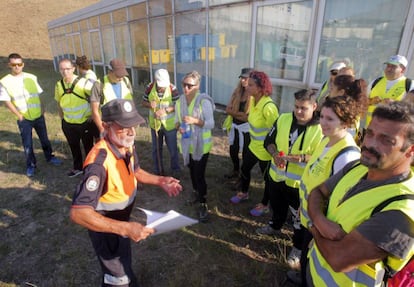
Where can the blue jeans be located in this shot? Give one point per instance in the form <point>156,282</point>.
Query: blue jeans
<point>171,141</point>
<point>25,128</point>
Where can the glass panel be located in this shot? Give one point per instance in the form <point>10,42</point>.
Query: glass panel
<point>161,55</point>
<point>68,28</point>
<point>184,5</point>
<point>364,33</point>
<point>119,16</point>
<point>76,27</point>
<point>159,7</point>
<point>191,52</point>
<point>282,39</point>
<point>140,62</point>
<point>108,44</point>
<point>105,19</point>
<point>83,25</point>
<point>86,45</point>
<point>96,47</point>
<point>137,11</point>
<point>122,43</point>
<point>77,48</point>
<point>94,22</point>
<point>229,36</point>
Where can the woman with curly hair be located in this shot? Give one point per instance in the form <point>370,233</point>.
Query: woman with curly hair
<point>84,68</point>
<point>237,126</point>
<point>263,113</point>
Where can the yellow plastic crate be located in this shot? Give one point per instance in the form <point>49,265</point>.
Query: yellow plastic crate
<point>222,39</point>
<point>211,53</point>
<point>155,57</point>
<point>233,49</point>
<point>165,56</point>
<point>225,51</point>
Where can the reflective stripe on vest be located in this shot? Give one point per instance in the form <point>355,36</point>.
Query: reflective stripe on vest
<point>166,101</point>
<point>318,169</point>
<point>108,91</point>
<point>120,182</point>
<point>343,212</point>
<point>305,143</point>
<point>259,126</point>
<point>396,93</point>
<point>25,99</point>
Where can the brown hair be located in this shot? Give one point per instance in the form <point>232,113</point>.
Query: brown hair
<point>83,62</point>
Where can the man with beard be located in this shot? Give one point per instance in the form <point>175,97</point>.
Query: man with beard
<point>352,246</point>
<point>104,199</point>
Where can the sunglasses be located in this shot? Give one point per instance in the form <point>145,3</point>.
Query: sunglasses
<point>334,72</point>
<point>16,64</point>
<point>188,86</point>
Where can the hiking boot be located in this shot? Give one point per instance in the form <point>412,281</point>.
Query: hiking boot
<point>239,197</point>
<point>293,259</point>
<point>268,230</point>
<point>203,212</point>
<point>259,210</point>
<point>294,277</point>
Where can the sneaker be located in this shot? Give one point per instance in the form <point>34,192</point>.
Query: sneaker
<point>203,212</point>
<point>294,277</point>
<point>239,197</point>
<point>259,210</point>
<point>74,172</point>
<point>30,172</point>
<point>268,230</point>
<point>55,161</point>
<point>293,259</point>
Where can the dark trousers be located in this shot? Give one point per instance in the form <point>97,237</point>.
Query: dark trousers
<point>307,238</point>
<point>235,147</point>
<point>114,255</point>
<point>157,144</point>
<point>249,161</point>
<point>198,178</point>
<point>26,127</point>
<point>281,196</point>
<point>75,134</point>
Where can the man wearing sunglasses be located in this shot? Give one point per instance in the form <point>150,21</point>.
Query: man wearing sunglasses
<point>20,91</point>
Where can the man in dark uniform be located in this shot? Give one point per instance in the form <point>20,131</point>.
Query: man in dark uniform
<point>104,199</point>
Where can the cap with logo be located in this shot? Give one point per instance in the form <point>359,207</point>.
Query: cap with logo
<point>118,68</point>
<point>123,112</point>
<point>162,78</point>
<point>337,66</point>
<point>397,60</point>
<point>245,72</point>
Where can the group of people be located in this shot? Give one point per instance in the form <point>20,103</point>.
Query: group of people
<point>331,161</point>
<point>343,151</point>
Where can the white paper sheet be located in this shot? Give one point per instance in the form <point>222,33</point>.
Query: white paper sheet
<point>164,222</point>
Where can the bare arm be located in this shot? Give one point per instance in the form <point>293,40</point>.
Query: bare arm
<point>96,116</point>
<point>13,109</point>
<point>317,203</point>
<point>349,252</point>
<point>169,184</point>
<point>89,218</point>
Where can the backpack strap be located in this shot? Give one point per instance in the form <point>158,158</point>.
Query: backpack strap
<point>386,202</point>
<point>71,89</point>
<point>407,84</point>
<point>375,82</point>
<point>342,151</point>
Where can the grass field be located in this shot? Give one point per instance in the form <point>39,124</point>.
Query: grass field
<point>40,246</point>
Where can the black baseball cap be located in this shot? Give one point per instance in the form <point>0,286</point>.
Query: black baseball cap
<point>123,112</point>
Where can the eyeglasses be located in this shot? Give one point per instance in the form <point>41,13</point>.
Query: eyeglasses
<point>188,86</point>
<point>16,64</point>
<point>334,72</point>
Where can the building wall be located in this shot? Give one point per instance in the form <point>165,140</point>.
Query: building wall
<point>294,42</point>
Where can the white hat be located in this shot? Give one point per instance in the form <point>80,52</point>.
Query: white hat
<point>162,77</point>
<point>337,66</point>
<point>397,60</point>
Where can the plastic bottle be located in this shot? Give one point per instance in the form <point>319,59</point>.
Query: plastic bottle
<point>187,130</point>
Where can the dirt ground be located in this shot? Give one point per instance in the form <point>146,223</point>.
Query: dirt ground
<point>23,25</point>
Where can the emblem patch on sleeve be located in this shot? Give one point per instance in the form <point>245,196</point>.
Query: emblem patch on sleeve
<point>92,183</point>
